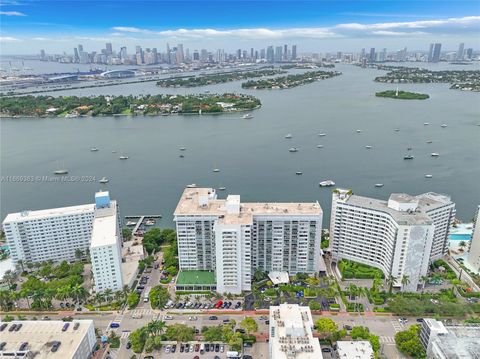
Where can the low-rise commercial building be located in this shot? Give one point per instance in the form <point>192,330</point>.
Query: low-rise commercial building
<point>48,339</point>
<point>361,349</point>
<point>400,236</point>
<point>233,239</point>
<point>291,333</point>
<point>195,281</point>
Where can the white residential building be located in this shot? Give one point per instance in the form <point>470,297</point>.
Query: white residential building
<point>49,234</point>
<point>291,333</point>
<point>77,341</point>
<point>400,237</point>
<point>234,238</point>
<point>473,259</point>
<point>106,245</point>
<point>358,349</point>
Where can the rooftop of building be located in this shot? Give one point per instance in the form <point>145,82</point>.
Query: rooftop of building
<point>361,349</point>
<point>40,336</point>
<point>401,217</point>
<point>29,215</point>
<point>291,333</point>
<point>104,231</point>
<point>203,201</point>
<point>461,342</point>
<point>435,325</point>
<point>195,277</point>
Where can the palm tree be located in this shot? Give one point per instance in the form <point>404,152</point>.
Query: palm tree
<point>6,300</point>
<point>63,292</point>
<point>78,293</point>
<point>352,290</point>
<point>391,280</point>
<point>156,327</point>
<point>462,245</point>
<point>405,280</point>
<point>10,277</point>
<point>424,279</point>
<point>108,294</point>
<point>26,293</point>
<point>99,298</point>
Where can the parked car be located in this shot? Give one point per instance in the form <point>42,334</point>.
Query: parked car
<point>174,348</point>
<point>217,348</point>
<point>65,327</point>
<point>347,327</point>
<point>167,317</point>
<point>114,325</point>
<point>197,347</point>
<point>213,317</point>
<point>129,345</point>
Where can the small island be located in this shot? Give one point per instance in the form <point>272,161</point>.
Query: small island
<point>402,95</point>
<point>286,82</point>
<point>213,79</point>
<point>73,106</point>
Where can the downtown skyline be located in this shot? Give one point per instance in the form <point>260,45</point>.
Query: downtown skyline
<point>27,27</point>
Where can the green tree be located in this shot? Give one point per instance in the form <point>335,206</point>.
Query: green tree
<point>249,324</point>
<point>79,254</point>
<point>405,280</point>
<point>408,342</point>
<point>180,333</point>
<point>159,296</point>
<point>212,334</point>
<point>126,234</point>
<point>132,299</point>
<point>6,300</point>
<point>326,326</point>
<point>10,277</point>
<point>138,338</point>
<point>314,305</point>
<point>462,245</point>
<point>391,281</point>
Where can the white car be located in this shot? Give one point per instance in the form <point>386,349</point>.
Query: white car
<point>167,348</point>
<point>167,317</point>
<point>192,318</point>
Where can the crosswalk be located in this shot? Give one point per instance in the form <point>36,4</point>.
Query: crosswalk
<point>143,311</point>
<point>387,340</point>
<point>397,326</point>
<point>125,335</point>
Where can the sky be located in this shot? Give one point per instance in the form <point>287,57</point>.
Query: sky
<point>26,26</point>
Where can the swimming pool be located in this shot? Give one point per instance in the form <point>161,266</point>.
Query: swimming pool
<point>460,237</point>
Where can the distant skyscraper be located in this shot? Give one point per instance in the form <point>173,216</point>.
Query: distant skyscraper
<point>203,55</point>
<point>123,53</point>
<point>285,52</point>
<point>294,52</point>
<point>270,54</point>
<point>434,52</point>
<point>372,55</point>
<point>251,53</point>
<point>262,54</point>
<point>469,53</point>
<point>460,51</point>
<point>108,47</point>
<point>180,54</point>
<point>239,54</point>
<point>42,55</point>
<point>168,60</point>
<point>278,54</point>
<point>80,48</point>
<point>76,58</point>
<point>196,55</point>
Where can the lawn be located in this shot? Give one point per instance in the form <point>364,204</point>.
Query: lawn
<point>351,269</point>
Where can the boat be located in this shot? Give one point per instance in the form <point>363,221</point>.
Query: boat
<point>104,180</point>
<point>183,148</point>
<point>428,176</point>
<point>425,123</point>
<point>327,183</point>
<point>443,125</point>
<point>429,141</point>
<point>322,134</point>
<point>193,185</point>
<point>319,146</point>
<point>131,223</point>
<point>216,170</point>
<point>247,116</point>
<point>378,185</point>
<point>181,156</point>
<point>94,149</point>
<point>298,173</point>
<point>409,148</point>
<point>114,151</point>
<point>397,129</point>
<point>359,131</point>
<point>60,170</point>
<point>223,188</point>
<point>288,135</point>
<point>368,147</point>
<point>149,222</point>
<point>293,149</point>
<point>434,154</point>
<point>408,157</point>
<point>123,157</point>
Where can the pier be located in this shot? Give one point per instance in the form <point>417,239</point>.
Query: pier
<point>141,219</point>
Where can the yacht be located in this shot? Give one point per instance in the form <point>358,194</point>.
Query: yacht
<point>193,185</point>
<point>327,183</point>
<point>428,176</point>
<point>131,223</point>
<point>434,154</point>
<point>425,123</point>
<point>409,148</point>
<point>397,129</point>
<point>149,222</point>
<point>322,134</point>
<point>114,151</point>
<point>181,156</point>
<point>429,141</point>
<point>298,173</point>
<point>223,188</point>
<point>288,135</point>
<point>183,148</point>
<point>216,170</point>
<point>408,157</point>
<point>444,125</point>
<point>247,116</point>
<point>104,180</point>
<point>123,157</point>
<point>94,149</point>
<point>293,149</point>
<point>368,147</point>
<point>359,131</point>
<point>61,172</point>
<point>378,185</point>
<point>319,146</point>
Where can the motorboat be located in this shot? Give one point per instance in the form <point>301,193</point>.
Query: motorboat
<point>293,149</point>
<point>104,180</point>
<point>425,123</point>
<point>428,176</point>
<point>93,149</point>
<point>298,173</point>
<point>443,125</point>
<point>216,170</point>
<point>61,172</point>
<point>368,147</point>
<point>288,135</point>
<point>181,156</point>
<point>434,154</point>
<point>429,141</point>
<point>359,131</point>
<point>408,157</point>
<point>322,134</point>
<point>149,222</point>
<point>409,148</point>
<point>378,185</point>
<point>397,129</point>
<point>247,116</point>
<point>193,185</point>
<point>123,157</point>
<point>319,146</point>
<point>114,151</point>
<point>327,183</point>
<point>223,188</point>
<point>183,148</point>
<point>131,223</point>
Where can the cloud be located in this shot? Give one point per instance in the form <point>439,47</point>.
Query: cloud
<point>12,13</point>
<point>131,29</point>
<point>397,33</point>
<point>8,39</point>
